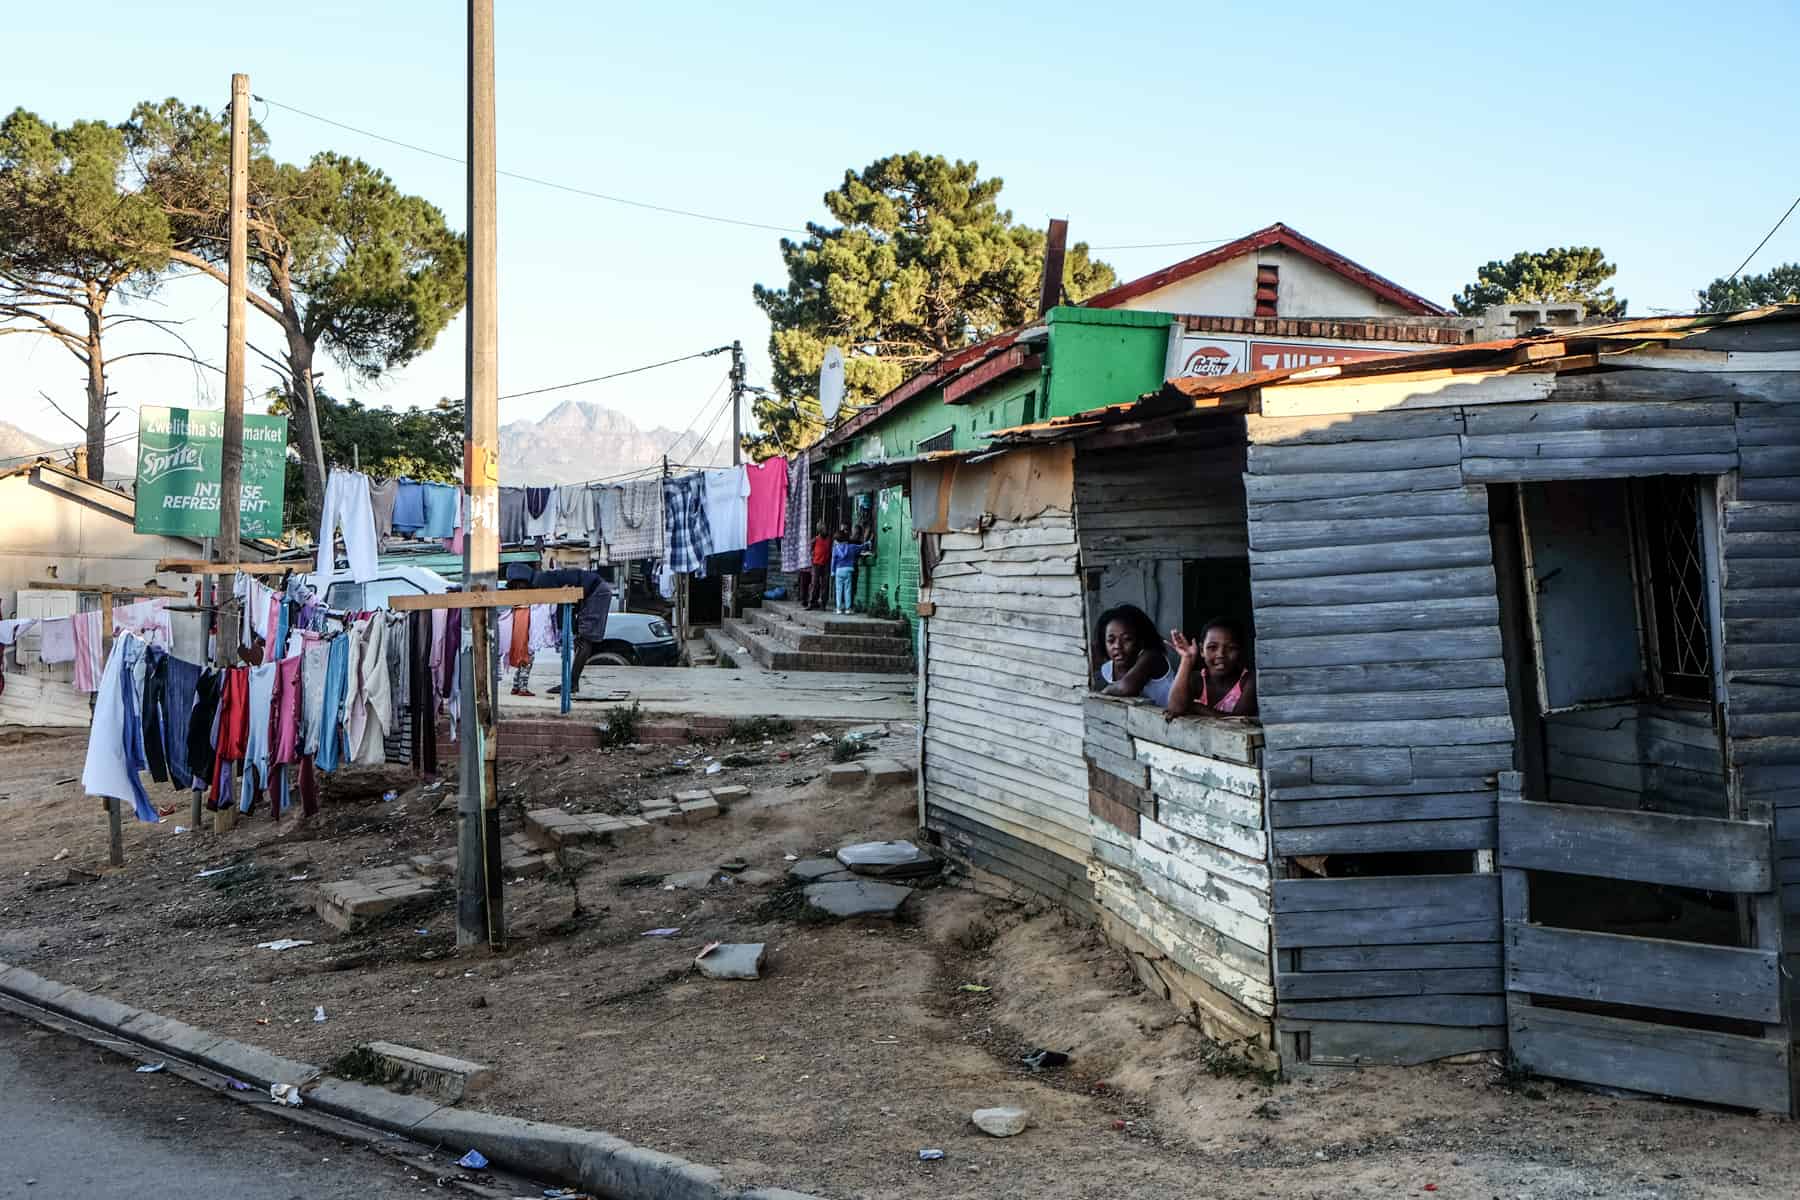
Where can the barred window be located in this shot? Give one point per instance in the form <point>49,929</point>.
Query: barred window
<point>1672,582</point>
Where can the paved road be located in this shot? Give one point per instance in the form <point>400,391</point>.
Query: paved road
<point>77,1122</point>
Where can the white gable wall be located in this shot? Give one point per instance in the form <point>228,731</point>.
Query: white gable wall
<point>1306,289</point>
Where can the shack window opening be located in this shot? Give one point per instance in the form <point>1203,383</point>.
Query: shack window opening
<point>939,441</point>
<point>1672,585</point>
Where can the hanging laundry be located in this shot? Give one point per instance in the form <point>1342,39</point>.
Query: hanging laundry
<point>540,512</point>
<point>284,740</point>
<point>727,508</point>
<point>756,556</point>
<point>148,619</point>
<point>259,604</point>
<point>766,512</point>
<point>440,510</point>
<point>201,721</point>
<point>231,734</point>
<point>512,515</point>
<point>515,635</point>
<point>574,513</point>
<point>171,688</point>
<point>11,630</point>
<point>796,538</point>
<point>260,720</point>
<point>383,495</point>
<point>544,634</point>
<point>331,727</point>
<point>687,533</point>
<point>88,639</point>
<point>315,661</point>
<point>631,520</point>
<point>369,702</point>
<point>409,507</point>
<point>115,740</point>
<point>347,507</point>
<point>56,640</point>
<point>399,665</point>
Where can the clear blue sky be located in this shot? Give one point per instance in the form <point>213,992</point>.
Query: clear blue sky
<point>1420,140</point>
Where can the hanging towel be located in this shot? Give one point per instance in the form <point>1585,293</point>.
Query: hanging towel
<point>440,510</point>
<point>88,666</point>
<point>315,660</point>
<point>798,532</point>
<point>727,508</point>
<point>56,640</point>
<point>260,722</point>
<point>148,619</point>
<point>371,707</point>
<point>409,507</point>
<point>284,741</point>
<point>766,512</point>
<point>347,507</point>
<point>544,633</point>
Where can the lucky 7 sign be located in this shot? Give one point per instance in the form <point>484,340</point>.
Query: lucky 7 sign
<point>180,451</point>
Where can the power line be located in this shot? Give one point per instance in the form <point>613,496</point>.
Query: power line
<point>1765,241</point>
<point>701,412</point>
<point>643,204</point>
<point>558,387</point>
<point>549,183</point>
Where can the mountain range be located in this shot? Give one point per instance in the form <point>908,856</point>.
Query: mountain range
<point>576,442</point>
<point>16,444</point>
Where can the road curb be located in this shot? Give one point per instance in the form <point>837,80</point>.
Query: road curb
<point>583,1158</point>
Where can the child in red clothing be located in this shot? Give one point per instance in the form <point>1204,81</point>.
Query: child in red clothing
<point>821,569</point>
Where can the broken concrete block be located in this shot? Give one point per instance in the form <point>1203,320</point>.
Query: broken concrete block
<point>857,898</point>
<point>756,877</point>
<point>731,795</point>
<point>845,775</point>
<point>424,864</point>
<point>895,859</point>
<point>887,770</point>
<point>448,1079</point>
<point>691,797</point>
<point>693,881</point>
<point>811,870</point>
<point>732,960</point>
<point>1001,1122</point>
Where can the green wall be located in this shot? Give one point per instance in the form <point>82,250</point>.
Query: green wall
<point>1093,357</point>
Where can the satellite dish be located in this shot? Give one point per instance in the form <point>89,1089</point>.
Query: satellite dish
<point>831,382</point>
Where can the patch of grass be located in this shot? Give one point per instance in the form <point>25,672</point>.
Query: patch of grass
<point>621,727</point>
<point>743,760</point>
<point>361,1065</point>
<point>1226,1060</point>
<point>977,936</point>
<point>760,729</point>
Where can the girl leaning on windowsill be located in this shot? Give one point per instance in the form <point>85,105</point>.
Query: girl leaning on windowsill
<point>1213,674</point>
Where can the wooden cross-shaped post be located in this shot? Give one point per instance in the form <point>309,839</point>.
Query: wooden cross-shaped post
<point>115,853</point>
<point>484,892</point>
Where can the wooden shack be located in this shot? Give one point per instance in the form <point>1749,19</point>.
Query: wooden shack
<point>1527,773</point>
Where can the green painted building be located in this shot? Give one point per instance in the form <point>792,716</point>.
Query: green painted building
<point>1071,360</point>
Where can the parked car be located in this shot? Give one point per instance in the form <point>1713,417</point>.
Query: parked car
<point>632,639</point>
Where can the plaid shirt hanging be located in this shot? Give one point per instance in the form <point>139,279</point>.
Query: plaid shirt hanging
<point>687,533</point>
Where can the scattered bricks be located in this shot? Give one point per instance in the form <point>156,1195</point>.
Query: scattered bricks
<point>619,829</point>
<point>691,797</point>
<point>887,770</point>
<point>660,813</point>
<point>552,827</point>
<point>700,810</point>
<point>845,775</point>
<point>730,795</point>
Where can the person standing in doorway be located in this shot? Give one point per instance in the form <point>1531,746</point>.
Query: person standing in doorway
<point>844,553</point>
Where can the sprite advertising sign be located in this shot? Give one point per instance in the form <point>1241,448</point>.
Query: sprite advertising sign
<point>180,456</point>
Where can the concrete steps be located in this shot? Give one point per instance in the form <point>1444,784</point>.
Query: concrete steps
<point>780,649</point>
<point>847,625</point>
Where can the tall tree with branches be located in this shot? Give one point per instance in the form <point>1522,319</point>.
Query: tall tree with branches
<point>72,241</point>
<point>340,257</point>
<point>923,262</point>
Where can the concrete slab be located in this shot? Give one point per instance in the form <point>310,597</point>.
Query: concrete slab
<point>757,877</point>
<point>811,870</point>
<point>858,898</point>
<point>845,775</point>
<point>731,795</point>
<point>899,860</point>
<point>738,695</point>
<point>887,770</point>
<point>693,881</point>
<point>438,1075</point>
<point>733,960</point>
<point>369,1105</point>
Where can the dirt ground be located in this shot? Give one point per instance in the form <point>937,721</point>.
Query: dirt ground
<point>858,1048</point>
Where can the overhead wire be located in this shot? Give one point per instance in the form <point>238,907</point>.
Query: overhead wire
<point>1765,241</point>
<point>625,200</point>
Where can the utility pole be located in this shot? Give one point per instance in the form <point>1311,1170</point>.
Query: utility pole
<point>737,402</point>
<point>480,915</point>
<point>231,466</point>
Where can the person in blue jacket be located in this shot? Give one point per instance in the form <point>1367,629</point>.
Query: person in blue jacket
<point>844,553</point>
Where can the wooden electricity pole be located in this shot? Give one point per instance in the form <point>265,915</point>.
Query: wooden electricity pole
<point>231,469</point>
<point>480,915</point>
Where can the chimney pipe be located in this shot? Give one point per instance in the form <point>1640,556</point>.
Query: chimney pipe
<point>1055,242</point>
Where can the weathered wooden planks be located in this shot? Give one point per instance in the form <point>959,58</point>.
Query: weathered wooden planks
<point>1663,1060</point>
<point>1403,1010</point>
<point>1364,809</point>
<point>1562,417</point>
<point>1393,837</point>
<point>1386,911</point>
<point>1694,852</point>
<point>1347,985</point>
<point>1400,958</point>
<point>1375,649</point>
<point>1388,617</point>
<point>1367,1044</point>
<point>1719,981</point>
<point>1365,588</point>
<point>1534,469</point>
<point>1367,455</point>
<point>1418,554</point>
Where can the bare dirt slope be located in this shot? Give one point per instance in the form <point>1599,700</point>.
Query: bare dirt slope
<point>858,1048</point>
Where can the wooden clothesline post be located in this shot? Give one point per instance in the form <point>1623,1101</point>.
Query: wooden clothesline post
<point>478,752</point>
<point>115,851</point>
